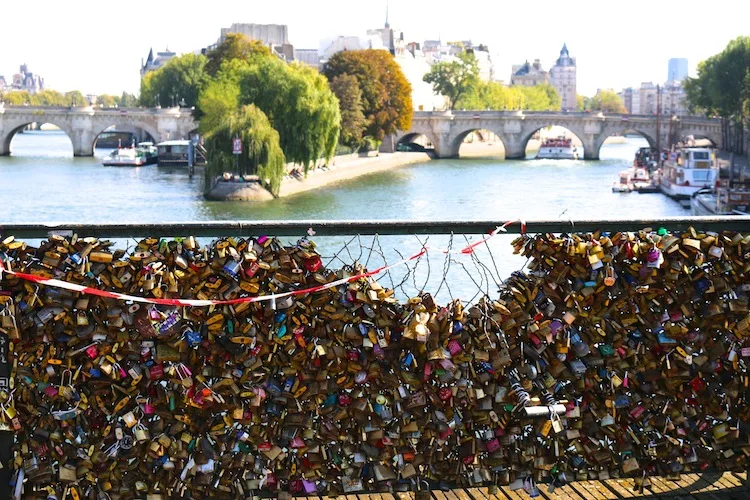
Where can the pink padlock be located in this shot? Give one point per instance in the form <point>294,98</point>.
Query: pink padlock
<point>454,347</point>
<point>148,408</point>
<point>493,445</point>
<point>92,351</point>
<point>297,442</point>
<point>50,391</point>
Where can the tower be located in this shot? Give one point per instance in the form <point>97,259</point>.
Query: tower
<point>563,78</point>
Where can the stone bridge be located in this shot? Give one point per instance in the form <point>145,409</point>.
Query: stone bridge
<point>447,130</point>
<point>83,125</point>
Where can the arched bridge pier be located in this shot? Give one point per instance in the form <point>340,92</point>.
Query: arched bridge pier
<point>447,130</point>
<point>83,125</point>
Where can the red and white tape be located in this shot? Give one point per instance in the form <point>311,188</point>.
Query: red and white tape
<point>259,298</point>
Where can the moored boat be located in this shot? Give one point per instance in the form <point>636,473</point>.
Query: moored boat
<point>174,153</point>
<point>144,154</point>
<point>723,200</point>
<point>687,170</point>
<point>560,148</point>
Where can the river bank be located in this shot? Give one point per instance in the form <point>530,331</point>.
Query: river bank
<point>342,168</point>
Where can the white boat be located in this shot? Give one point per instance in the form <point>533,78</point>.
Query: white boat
<point>560,148</point>
<point>144,154</point>
<point>688,170</point>
<point>633,179</point>
<point>720,201</point>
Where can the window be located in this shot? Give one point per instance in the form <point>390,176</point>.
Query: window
<point>700,155</point>
<point>701,175</point>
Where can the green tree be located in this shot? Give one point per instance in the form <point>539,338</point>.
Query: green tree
<point>607,101</point>
<point>75,98</point>
<point>261,152</point>
<point>495,96</point>
<point>17,98</point>
<point>455,78</point>
<point>386,93</point>
<point>353,121</point>
<point>49,98</point>
<point>582,103</point>
<point>127,100</point>
<point>106,101</point>
<point>181,79</point>
<point>235,47</point>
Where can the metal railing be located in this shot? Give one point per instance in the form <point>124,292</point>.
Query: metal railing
<point>370,227</point>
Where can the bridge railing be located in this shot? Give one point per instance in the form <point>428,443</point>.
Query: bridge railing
<point>497,357</point>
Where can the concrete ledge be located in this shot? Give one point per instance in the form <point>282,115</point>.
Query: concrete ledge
<point>238,191</point>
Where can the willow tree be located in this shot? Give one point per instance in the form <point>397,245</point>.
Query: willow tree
<point>299,105</point>
<point>261,153</point>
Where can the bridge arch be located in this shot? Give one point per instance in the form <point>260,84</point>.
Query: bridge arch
<point>427,140</point>
<point>631,131</point>
<point>148,129</point>
<point>8,133</point>
<point>459,138</point>
<point>576,132</point>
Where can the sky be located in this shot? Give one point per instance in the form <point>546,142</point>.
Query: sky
<point>97,47</point>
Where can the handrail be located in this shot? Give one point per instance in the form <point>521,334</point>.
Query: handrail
<point>380,227</point>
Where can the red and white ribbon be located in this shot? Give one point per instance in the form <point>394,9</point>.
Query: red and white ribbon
<point>259,298</point>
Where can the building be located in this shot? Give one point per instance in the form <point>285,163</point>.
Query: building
<point>273,36</point>
<point>528,75</point>
<point>311,57</point>
<point>646,100</point>
<point>23,80</point>
<point>153,63</point>
<point>678,70</point>
<point>562,76</point>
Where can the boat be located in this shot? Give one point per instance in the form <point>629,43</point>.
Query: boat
<point>634,179</point>
<point>687,170</point>
<point>143,154</point>
<point>174,153</point>
<point>560,148</point>
<point>646,157</point>
<point>723,200</point>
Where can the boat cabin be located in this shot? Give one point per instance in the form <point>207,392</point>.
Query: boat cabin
<point>691,167</point>
<point>174,153</point>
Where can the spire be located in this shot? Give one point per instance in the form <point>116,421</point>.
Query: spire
<point>387,24</point>
<point>564,50</point>
<point>150,57</point>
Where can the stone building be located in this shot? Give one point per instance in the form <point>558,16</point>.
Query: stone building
<point>153,63</point>
<point>528,75</point>
<point>562,76</point>
<point>23,80</point>
<point>670,98</point>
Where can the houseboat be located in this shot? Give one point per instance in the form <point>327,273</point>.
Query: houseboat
<point>174,153</point>
<point>724,200</point>
<point>687,170</point>
<point>633,179</point>
<point>560,148</point>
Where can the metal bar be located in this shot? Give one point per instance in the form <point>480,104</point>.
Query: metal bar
<point>381,227</point>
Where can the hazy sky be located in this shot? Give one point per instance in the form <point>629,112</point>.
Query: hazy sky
<point>97,46</point>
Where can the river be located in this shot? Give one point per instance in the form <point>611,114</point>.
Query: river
<point>43,182</point>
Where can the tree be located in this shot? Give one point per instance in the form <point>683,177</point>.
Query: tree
<point>607,101</point>
<point>234,47</point>
<point>386,93</point>
<point>496,96</point>
<point>128,101</point>
<point>17,98</point>
<point>261,152</point>
<point>49,98</point>
<point>106,101</point>
<point>181,79</point>
<point>582,103</point>
<point>353,121</point>
<point>75,98</point>
<point>455,78</point>
<point>295,98</point>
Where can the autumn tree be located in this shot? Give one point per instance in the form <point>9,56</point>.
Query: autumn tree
<point>607,101</point>
<point>386,93</point>
<point>454,79</point>
<point>353,121</point>
<point>75,98</point>
<point>234,47</point>
<point>182,78</point>
<point>496,96</point>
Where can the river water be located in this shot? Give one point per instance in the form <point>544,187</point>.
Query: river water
<point>43,182</point>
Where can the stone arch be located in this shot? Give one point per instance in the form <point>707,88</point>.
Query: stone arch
<point>11,130</point>
<point>154,133</point>
<point>411,136</point>
<point>459,138</point>
<point>609,133</point>
<point>699,132</point>
<point>536,127</point>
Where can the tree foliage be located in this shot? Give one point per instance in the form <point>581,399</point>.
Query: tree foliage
<point>295,98</point>
<point>76,98</point>
<point>261,152</point>
<point>45,98</point>
<point>607,101</point>
<point>722,88</point>
<point>454,79</point>
<point>235,47</point>
<point>495,96</point>
<point>582,103</point>
<point>182,78</point>
<point>353,121</point>
<point>386,93</point>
